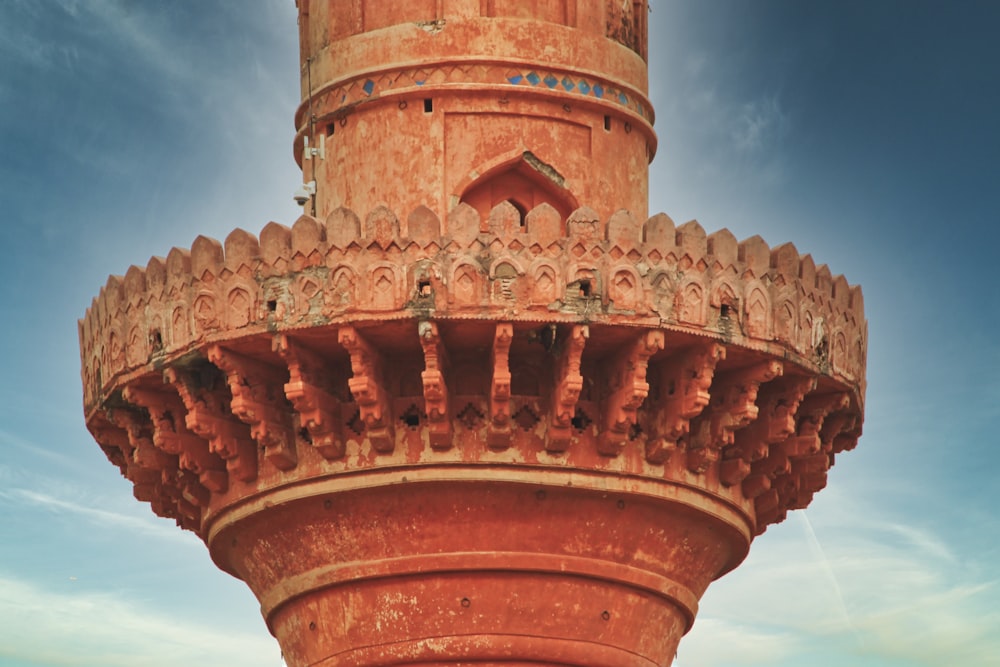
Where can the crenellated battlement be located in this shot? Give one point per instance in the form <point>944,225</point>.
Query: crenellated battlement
<point>543,268</point>
<point>337,342</point>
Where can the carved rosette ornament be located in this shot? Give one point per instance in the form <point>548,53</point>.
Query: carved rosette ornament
<point>528,432</point>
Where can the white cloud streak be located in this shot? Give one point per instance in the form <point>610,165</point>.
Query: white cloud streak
<point>8,439</point>
<point>96,515</point>
<point>727,642</point>
<point>869,585</point>
<point>88,629</point>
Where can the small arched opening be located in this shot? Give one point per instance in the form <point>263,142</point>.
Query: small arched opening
<point>525,182</point>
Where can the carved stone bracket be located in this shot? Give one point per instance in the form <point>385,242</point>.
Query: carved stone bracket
<point>778,403</point>
<point>113,441</point>
<point>629,389</point>
<point>140,436</point>
<point>209,416</point>
<point>170,434</point>
<point>733,406</point>
<point>821,420</point>
<point>684,381</point>
<point>767,507</point>
<point>569,384</point>
<point>154,473</point>
<point>435,388</point>
<point>368,389</point>
<point>498,431</point>
<point>810,418</point>
<point>259,400</point>
<point>181,497</point>
<point>143,462</point>
<point>319,410</point>
<point>840,432</point>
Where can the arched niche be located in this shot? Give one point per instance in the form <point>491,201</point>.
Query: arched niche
<point>521,179</point>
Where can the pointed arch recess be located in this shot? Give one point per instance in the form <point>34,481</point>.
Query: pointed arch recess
<point>521,179</point>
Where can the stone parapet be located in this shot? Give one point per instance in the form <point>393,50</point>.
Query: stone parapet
<point>540,334</point>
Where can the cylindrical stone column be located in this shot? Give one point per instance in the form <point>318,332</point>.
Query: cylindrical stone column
<point>480,101</point>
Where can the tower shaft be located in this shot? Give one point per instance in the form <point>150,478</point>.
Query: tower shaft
<point>477,101</point>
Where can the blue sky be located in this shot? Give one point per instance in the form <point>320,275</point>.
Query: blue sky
<point>864,132</point>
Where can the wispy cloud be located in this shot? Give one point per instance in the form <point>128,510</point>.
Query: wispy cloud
<point>8,439</point>
<point>872,585</point>
<point>820,554</point>
<point>140,33</point>
<point>88,629</point>
<point>97,515</point>
<point>757,125</point>
<point>716,135</point>
<point>718,642</point>
<point>21,48</point>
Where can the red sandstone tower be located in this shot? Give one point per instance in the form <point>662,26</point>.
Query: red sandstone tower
<point>475,407</point>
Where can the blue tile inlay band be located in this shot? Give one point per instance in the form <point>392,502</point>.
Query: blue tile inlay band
<point>350,92</point>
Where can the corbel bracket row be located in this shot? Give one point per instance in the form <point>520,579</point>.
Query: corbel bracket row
<point>733,406</point>
<point>257,393</point>
<point>778,402</point>
<point>126,432</point>
<point>795,468</point>
<point>809,422</point>
<point>151,471</point>
<point>208,416</point>
<point>172,436</point>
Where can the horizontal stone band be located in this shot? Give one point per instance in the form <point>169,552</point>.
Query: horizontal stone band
<point>720,510</point>
<point>500,561</point>
<point>497,648</point>
<point>361,88</point>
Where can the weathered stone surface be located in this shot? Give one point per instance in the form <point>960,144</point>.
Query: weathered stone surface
<point>471,396</point>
